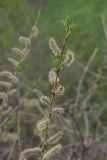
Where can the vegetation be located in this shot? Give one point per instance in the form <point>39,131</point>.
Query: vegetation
<point>65,117</point>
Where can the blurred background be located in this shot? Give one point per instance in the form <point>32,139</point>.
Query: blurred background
<point>17,18</point>
<point>90,16</point>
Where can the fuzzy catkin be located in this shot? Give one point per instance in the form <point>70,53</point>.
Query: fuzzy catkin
<point>29,152</point>
<point>60,90</point>
<point>52,76</point>
<point>18,51</point>
<point>13,61</point>
<point>5,84</point>
<point>6,74</point>
<point>52,152</point>
<point>9,75</point>
<point>59,110</point>
<point>12,92</point>
<point>55,138</point>
<point>54,47</point>
<point>69,59</point>
<point>45,100</point>
<point>35,32</point>
<point>4,98</point>
<point>43,124</point>
<point>24,40</point>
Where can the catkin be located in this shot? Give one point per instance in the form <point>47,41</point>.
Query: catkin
<point>59,110</point>
<point>69,59</point>
<point>29,152</point>
<point>43,124</point>
<point>5,84</point>
<point>6,74</point>
<point>60,90</point>
<point>52,152</point>
<point>45,100</point>
<point>55,138</point>
<point>24,40</point>
<point>52,77</point>
<point>13,61</point>
<point>54,47</point>
<point>4,98</point>
<point>18,51</point>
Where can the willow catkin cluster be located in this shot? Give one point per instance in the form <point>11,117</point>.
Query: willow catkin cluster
<point>22,53</point>
<point>9,82</point>
<point>7,85</point>
<point>50,144</point>
<point>61,58</point>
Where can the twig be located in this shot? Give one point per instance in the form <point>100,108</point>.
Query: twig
<point>93,73</point>
<point>98,140</point>
<point>86,119</point>
<point>18,131</point>
<point>53,92</point>
<point>11,151</point>
<point>70,145</point>
<point>9,117</point>
<point>83,76</point>
<point>103,18</point>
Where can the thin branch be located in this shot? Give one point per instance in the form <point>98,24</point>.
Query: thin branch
<point>53,96</point>
<point>80,84</point>
<point>98,140</point>
<point>103,18</point>
<point>11,151</point>
<point>93,73</point>
<point>86,118</point>
<point>9,117</point>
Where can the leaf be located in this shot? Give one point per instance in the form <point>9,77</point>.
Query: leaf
<point>55,62</point>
